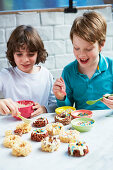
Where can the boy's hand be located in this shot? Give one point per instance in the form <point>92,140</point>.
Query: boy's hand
<point>108,101</point>
<point>8,106</point>
<point>38,110</point>
<point>59,89</point>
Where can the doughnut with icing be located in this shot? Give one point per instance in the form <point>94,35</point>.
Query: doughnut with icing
<point>54,128</point>
<point>40,122</point>
<point>50,144</point>
<point>78,149</point>
<point>63,118</point>
<point>68,136</point>
<point>39,134</point>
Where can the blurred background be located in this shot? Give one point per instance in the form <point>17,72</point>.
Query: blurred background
<point>9,5</point>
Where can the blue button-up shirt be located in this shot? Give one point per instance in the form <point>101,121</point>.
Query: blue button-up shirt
<point>80,88</point>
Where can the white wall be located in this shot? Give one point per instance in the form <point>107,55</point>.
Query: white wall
<point>54,29</point>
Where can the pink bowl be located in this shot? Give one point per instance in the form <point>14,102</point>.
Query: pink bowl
<point>26,109</point>
<point>81,114</point>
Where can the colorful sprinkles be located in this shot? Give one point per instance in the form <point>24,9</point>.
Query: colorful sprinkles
<point>67,111</point>
<point>85,123</point>
<point>40,130</point>
<point>82,114</point>
<point>80,143</point>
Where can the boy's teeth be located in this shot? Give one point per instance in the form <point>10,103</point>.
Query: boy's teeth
<point>83,59</point>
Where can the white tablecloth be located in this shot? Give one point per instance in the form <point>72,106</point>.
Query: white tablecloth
<point>99,140</point>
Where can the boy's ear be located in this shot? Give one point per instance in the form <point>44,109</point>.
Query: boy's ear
<point>102,45</point>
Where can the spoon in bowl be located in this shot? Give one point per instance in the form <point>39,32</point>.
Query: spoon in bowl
<point>24,119</point>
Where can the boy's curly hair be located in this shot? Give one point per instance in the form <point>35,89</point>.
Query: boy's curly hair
<point>25,35</point>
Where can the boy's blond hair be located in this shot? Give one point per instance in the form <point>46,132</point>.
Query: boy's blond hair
<point>91,26</point>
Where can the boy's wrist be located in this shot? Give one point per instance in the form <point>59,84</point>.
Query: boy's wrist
<point>44,109</point>
<point>63,98</point>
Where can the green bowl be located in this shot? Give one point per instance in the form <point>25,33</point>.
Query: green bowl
<point>82,124</point>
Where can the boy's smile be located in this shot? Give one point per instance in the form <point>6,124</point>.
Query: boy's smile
<point>84,61</point>
<point>87,54</point>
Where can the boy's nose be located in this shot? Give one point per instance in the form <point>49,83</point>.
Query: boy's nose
<point>25,59</point>
<point>82,53</point>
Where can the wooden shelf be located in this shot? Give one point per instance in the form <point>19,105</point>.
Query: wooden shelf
<point>55,9</point>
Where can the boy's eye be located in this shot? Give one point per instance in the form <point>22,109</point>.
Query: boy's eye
<point>18,54</point>
<point>89,49</point>
<point>31,54</point>
<point>76,49</point>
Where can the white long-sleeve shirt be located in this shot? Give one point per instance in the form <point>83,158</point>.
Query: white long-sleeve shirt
<point>37,87</point>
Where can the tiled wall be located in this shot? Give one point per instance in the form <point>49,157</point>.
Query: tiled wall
<point>54,29</point>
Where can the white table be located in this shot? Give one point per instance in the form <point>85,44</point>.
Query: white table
<point>99,139</point>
